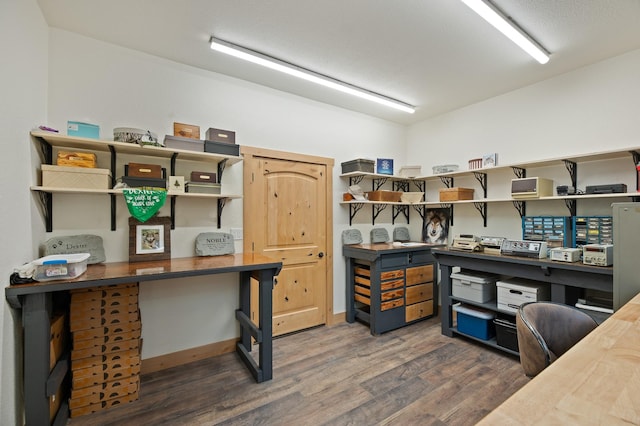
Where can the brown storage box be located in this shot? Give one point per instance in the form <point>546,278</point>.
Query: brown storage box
<point>82,314</point>
<point>103,373</point>
<point>123,345</point>
<point>75,177</point>
<point>76,159</point>
<point>456,194</point>
<point>207,177</point>
<point>103,292</point>
<point>186,130</point>
<point>106,320</point>
<point>388,196</point>
<point>144,170</point>
<point>103,340</point>
<point>82,397</point>
<point>128,357</point>
<point>219,135</point>
<point>58,340</point>
<point>97,332</point>
<point>93,408</point>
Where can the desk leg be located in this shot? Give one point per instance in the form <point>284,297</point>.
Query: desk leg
<point>37,333</point>
<point>446,316</point>
<point>351,309</point>
<point>265,297</point>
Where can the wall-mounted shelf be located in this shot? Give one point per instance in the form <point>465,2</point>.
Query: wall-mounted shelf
<point>49,140</point>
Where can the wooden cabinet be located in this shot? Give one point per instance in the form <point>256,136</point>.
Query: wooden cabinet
<point>390,286</point>
<point>47,141</point>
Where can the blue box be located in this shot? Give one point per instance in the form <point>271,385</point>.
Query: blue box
<point>384,166</point>
<point>475,322</point>
<point>83,130</point>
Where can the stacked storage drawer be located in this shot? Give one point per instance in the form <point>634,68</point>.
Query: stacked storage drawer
<point>391,287</point>
<point>555,230</point>
<point>57,347</point>
<point>105,357</point>
<point>592,230</point>
<point>419,296</point>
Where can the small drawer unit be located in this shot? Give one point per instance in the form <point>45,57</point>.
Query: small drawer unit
<point>592,230</point>
<point>389,286</point>
<point>474,286</point>
<point>514,292</point>
<point>554,230</point>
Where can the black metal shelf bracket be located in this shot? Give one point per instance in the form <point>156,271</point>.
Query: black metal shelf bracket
<point>401,185</point>
<point>521,207</point>
<point>354,180</point>
<point>482,208</point>
<point>571,205</point>
<point>377,183</point>
<point>636,162</point>
<point>375,211</point>
<point>396,212</point>
<point>353,209</point>
<point>421,209</point>
<point>173,211</point>
<point>420,184</point>
<point>447,180</point>
<point>572,168</point>
<point>221,166</point>
<point>221,204</point>
<point>519,172</point>
<point>112,150</point>
<point>482,178</point>
<point>46,204</point>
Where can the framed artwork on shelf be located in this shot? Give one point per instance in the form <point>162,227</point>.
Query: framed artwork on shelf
<point>150,240</point>
<point>436,226</point>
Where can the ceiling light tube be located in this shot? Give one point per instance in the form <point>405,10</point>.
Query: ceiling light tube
<point>495,17</point>
<point>296,71</point>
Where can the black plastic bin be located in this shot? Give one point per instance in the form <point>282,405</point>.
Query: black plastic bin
<point>506,335</point>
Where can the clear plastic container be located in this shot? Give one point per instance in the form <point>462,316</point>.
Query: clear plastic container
<point>60,266</point>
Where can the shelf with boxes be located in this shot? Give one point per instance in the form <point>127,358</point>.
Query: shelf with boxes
<point>400,197</point>
<point>83,180</point>
<point>490,287</point>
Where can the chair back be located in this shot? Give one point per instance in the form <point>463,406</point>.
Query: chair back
<point>547,330</point>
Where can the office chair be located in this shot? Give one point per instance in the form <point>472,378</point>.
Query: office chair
<point>546,330</point>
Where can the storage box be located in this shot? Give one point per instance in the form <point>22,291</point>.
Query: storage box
<point>513,292</point>
<point>76,159</point>
<point>410,171</point>
<point>60,266</point>
<point>475,322</point>
<point>142,182</point>
<point>221,148</point>
<point>83,130</point>
<point>187,144</point>
<point>456,194</point>
<point>506,333</point>
<point>384,166</point>
<point>388,196</point>
<point>58,339</point>
<point>206,177</point>
<point>203,188</point>
<point>186,130</point>
<point>477,287</point>
<point>475,163</point>
<point>359,165</point>
<point>444,168</point>
<point>219,135</point>
<point>75,177</point>
<point>144,170</point>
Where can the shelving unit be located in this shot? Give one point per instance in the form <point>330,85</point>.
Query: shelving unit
<point>481,175</point>
<point>47,141</point>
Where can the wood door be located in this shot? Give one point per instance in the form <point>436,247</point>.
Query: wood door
<point>287,216</point>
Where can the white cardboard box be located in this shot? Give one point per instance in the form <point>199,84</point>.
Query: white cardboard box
<point>513,292</point>
<point>75,177</point>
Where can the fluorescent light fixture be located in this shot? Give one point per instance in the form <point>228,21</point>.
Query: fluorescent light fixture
<point>495,17</point>
<point>296,71</point>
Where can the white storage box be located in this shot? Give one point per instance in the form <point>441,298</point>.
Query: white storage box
<point>60,266</point>
<point>75,177</point>
<point>477,287</point>
<point>515,291</point>
<point>410,171</point>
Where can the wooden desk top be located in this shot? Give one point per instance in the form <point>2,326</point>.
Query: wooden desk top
<point>125,272</point>
<point>595,382</point>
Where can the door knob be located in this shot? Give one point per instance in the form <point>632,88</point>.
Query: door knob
<point>321,255</point>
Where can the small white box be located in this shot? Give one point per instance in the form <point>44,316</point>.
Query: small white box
<point>60,266</point>
<point>410,171</point>
<point>515,291</point>
<point>478,287</point>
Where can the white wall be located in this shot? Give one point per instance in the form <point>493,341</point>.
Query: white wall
<point>113,87</point>
<point>23,84</point>
<point>590,110</point>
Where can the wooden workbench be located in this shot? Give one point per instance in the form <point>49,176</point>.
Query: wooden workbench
<point>597,382</point>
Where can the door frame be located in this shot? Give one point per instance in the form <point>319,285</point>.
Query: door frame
<point>250,153</point>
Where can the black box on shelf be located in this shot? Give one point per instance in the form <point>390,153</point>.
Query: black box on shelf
<point>506,335</point>
<point>224,148</point>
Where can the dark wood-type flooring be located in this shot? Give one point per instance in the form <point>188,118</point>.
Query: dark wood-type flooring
<point>339,375</point>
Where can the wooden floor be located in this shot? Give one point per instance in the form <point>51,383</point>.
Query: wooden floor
<point>339,375</point>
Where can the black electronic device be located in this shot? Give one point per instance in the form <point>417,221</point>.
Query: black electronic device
<point>610,188</point>
<point>565,190</point>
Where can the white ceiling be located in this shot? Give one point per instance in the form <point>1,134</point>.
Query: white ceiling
<point>434,54</point>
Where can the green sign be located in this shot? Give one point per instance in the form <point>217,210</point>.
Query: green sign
<point>144,203</point>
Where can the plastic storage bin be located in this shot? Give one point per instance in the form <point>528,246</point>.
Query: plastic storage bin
<point>60,266</point>
<point>477,287</point>
<point>506,333</point>
<point>514,292</point>
<point>475,322</point>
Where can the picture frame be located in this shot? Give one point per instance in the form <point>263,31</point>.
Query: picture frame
<point>150,240</point>
<point>435,228</point>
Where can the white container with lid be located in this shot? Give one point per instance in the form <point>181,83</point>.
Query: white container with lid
<point>60,266</point>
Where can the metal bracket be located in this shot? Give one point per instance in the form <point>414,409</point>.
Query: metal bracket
<point>375,211</point>
<point>482,208</point>
<point>521,207</point>
<point>447,180</point>
<point>519,172</point>
<point>377,183</point>
<point>571,205</point>
<point>572,168</point>
<point>396,212</point>
<point>353,209</point>
<point>482,178</point>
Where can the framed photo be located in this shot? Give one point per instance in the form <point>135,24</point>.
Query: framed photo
<point>150,240</point>
<point>436,226</point>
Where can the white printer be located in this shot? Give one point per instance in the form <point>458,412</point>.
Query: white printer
<point>513,292</point>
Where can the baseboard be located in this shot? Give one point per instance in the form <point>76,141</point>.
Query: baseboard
<point>186,356</point>
<point>338,318</point>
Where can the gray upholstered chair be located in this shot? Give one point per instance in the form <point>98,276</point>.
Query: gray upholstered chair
<point>546,330</point>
